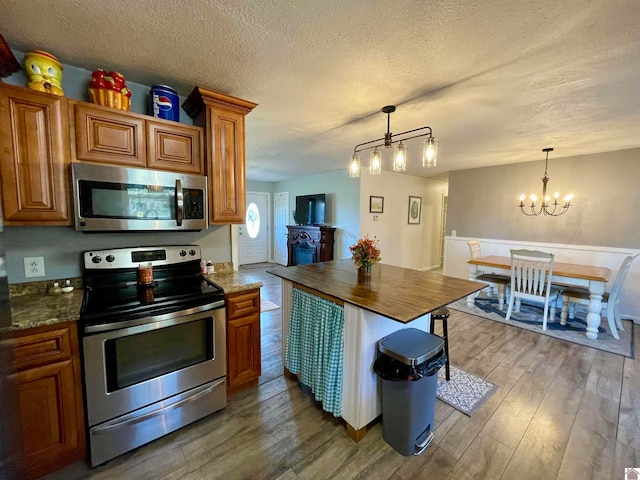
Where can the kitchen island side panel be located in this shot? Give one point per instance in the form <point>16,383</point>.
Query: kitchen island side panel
<point>361,393</point>
<point>361,387</point>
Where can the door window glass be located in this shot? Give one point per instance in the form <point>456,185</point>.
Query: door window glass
<point>253,220</point>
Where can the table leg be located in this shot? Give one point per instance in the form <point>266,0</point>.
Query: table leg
<point>501,290</point>
<point>473,273</point>
<point>596,289</point>
<point>564,311</point>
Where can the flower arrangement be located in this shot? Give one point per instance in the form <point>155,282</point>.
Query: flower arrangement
<point>365,252</point>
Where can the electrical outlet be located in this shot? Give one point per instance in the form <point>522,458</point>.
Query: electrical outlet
<point>33,267</point>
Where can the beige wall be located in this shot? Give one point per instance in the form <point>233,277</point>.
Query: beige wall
<point>401,244</point>
<point>606,210</point>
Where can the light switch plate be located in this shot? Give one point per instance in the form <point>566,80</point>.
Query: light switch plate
<point>33,267</point>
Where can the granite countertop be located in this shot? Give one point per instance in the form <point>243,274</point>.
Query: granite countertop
<point>37,309</point>
<point>31,306</point>
<point>232,281</point>
<point>401,294</point>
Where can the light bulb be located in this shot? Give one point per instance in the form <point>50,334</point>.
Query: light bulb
<point>522,197</point>
<point>533,198</point>
<point>354,167</point>
<point>568,198</point>
<point>430,153</point>
<point>556,195</point>
<point>400,162</point>
<point>375,162</point>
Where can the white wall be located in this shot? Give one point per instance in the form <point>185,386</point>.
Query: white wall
<point>401,244</point>
<point>342,208</point>
<point>457,255</point>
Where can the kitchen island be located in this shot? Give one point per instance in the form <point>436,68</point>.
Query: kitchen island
<point>391,299</point>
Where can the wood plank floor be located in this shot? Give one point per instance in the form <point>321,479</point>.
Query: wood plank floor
<point>562,411</point>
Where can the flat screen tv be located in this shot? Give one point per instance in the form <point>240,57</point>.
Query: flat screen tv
<point>310,209</point>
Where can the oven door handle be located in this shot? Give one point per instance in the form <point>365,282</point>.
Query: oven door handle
<point>132,421</point>
<point>179,203</point>
<point>153,322</point>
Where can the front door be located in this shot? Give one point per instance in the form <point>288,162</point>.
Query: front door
<point>254,234</point>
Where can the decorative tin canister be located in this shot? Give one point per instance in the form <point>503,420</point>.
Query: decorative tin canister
<point>165,103</point>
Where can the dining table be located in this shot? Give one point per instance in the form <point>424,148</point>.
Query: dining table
<point>564,274</point>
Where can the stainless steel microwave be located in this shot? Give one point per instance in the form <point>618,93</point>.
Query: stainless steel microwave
<point>111,198</point>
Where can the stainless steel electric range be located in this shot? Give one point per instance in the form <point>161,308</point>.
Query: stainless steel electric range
<point>153,340</point>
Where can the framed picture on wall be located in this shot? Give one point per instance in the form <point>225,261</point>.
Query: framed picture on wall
<point>376,204</point>
<point>415,207</point>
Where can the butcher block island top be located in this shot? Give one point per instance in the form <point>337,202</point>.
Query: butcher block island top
<point>401,294</point>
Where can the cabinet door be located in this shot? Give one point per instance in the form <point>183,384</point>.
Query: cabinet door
<point>243,347</point>
<point>50,428</point>
<point>226,169</point>
<point>107,136</point>
<point>243,339</point>
<point>34,156</point>
<point>176,147</point>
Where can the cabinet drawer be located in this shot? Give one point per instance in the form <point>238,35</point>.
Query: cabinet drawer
<point>243,303</point>
<point>42,348</point>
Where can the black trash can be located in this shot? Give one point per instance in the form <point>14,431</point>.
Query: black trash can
<point>408,362</point>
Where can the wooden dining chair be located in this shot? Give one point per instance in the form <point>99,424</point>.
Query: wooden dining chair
<point>531,273</point>
<point>495,281</point>
<point>575,295</point>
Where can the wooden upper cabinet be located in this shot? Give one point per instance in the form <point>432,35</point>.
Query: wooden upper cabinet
<point>34,156</point>
<point>105,135</point>
<point>175,147</point>
<point>115,137</point>
<point>222,117</point>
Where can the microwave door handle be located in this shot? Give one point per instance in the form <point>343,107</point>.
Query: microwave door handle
<point>179,203</point>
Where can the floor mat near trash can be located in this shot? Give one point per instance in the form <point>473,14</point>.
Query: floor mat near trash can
<point>464,392</point>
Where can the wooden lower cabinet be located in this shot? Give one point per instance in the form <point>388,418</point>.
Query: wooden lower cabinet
<point>48,375</point>
<point>243,340</point>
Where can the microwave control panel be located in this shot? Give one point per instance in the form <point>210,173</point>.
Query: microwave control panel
<point>193,203</point>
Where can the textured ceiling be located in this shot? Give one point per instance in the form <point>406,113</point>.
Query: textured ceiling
<point>496,80</point>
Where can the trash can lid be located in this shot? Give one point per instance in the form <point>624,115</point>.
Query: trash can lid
<point>411,346</point>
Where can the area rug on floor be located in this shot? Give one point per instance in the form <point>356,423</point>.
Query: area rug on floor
<point>464,392</point>
<point>266,305</point>
<point>530,318</point>
<point>257,265</point>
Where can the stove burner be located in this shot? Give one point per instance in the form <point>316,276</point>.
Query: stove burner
<point>114,295</point>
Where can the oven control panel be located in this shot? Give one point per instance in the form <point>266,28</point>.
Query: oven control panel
<point>132,257</point>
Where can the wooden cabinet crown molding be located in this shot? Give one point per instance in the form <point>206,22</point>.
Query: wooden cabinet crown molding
<point>201,96</point>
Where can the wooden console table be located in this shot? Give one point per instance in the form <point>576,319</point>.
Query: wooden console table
<point>309,244</point>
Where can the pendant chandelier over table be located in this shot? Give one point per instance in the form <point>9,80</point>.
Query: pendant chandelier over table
<point>429,151</point>
<point>546,207</point>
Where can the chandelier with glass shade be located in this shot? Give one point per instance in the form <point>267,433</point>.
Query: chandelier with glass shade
<point>429,150</point>
<point>547,206</point>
